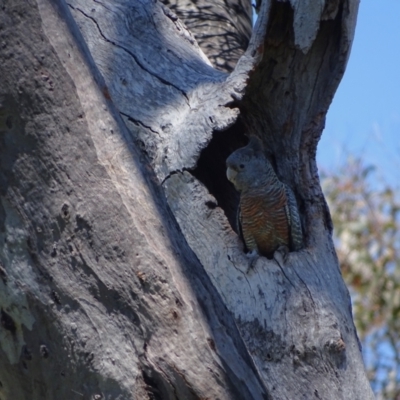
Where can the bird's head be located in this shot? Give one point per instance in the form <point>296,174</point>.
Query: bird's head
<point>248,167</point>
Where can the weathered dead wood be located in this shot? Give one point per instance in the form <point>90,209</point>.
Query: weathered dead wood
<point>287,97</point>
<point>294,314</point>
<point>112,282</point>
<point>180,98</point>
<point>101,297</point>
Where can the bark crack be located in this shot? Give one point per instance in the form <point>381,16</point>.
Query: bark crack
<point>137,122</point>
<point>162,80</point>
<point>316,80</point>
<point>283,272</point>
<point>242,272</point>
<point>308,290</point>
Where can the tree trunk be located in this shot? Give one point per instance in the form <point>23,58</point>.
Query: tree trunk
<point>121,277</point>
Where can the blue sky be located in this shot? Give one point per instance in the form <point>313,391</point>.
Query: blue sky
<point>364,117</point>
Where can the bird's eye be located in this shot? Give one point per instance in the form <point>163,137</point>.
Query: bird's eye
<point>241,166</point>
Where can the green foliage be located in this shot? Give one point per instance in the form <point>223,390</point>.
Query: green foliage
<point>366,217</point>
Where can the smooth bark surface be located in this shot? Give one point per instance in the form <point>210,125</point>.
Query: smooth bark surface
<point>111,117</point>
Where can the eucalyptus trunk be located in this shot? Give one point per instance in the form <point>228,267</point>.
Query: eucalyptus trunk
<point>122,276</point>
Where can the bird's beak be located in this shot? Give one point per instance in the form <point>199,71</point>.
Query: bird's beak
<point>231,174</point>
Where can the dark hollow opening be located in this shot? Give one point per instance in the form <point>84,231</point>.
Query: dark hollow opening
<point>211,168</point>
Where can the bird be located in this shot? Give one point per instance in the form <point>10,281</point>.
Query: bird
<point>268,217</point>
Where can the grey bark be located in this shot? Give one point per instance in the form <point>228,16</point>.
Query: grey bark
<point>111,117</point>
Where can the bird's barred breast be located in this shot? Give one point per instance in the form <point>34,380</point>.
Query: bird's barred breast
<point>264,221</point>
